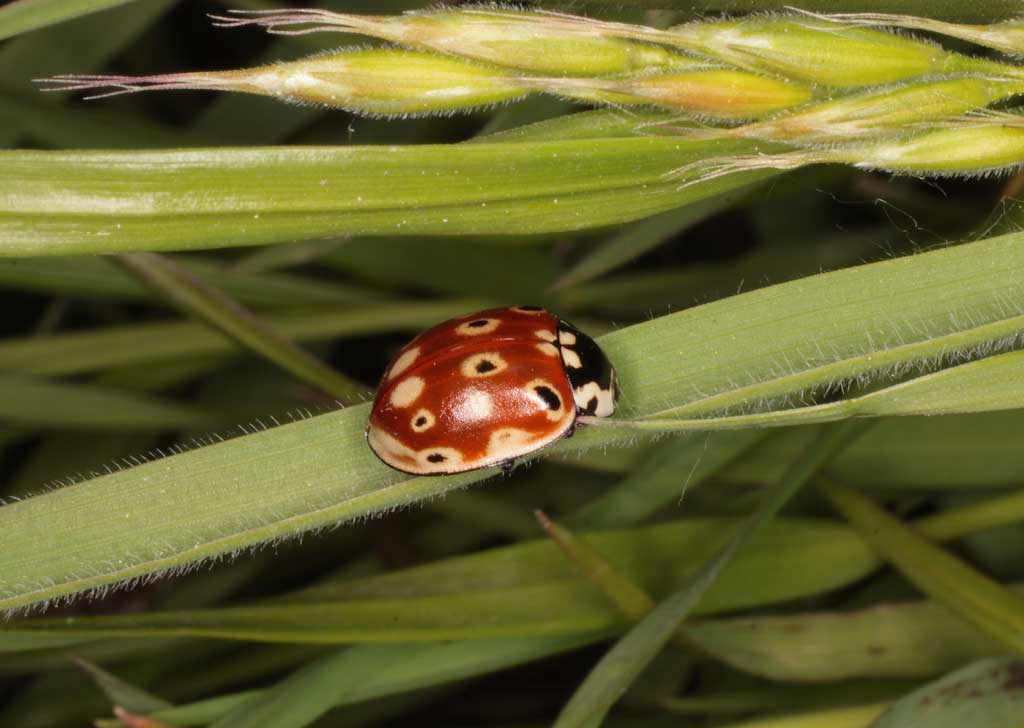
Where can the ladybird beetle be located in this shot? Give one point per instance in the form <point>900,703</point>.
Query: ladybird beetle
<point>485,389</point>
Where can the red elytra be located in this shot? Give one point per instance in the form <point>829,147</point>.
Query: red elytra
<point>486,388</point>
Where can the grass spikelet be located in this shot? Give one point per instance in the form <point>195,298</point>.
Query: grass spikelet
<point>528,41</point>
<point>888,111</point>
<point>825,53</point>
<point>370,81</point>
<point>1007,36</point>
<point>714,93</point>
<point>972,146</point>
<point>814,49</point>
<point>966,150</point>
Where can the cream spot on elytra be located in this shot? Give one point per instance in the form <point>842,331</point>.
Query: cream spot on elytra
<point>477,327</point>
<point>429,460</point>
<point>422,420</point>
<point>390,449</point>
<point>545,395</point>
<point>439,460</point>
<point>508,441</point>
<point>404,361</point>
<point>474,405</point>
<point>407,391</point>
<point>485,364</point>
<point>544,334</point>
<point>548,349</point>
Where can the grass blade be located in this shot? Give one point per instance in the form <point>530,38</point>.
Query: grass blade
<point>222,313</point>
<point>22,16</point>
<point>634,241</point>
<point>366,672</point>
<point>141,344</point>
<point>986,693</point>
<point>777,360</point>
<point>88,128</point>
<point>620,666</point>
<point>450,265</point>
<point>526,590</point>
<point>372,671</point>
<point>860,716</point>
<point>977,598</point>
<point>896,640</point>
<point>121,692</point>
<point>278,483</point>
<point>988,385</point>
<point>912,639</point>
<point>663,477</point>
<point>622,591</point>
<point>54,203</point>
<point>308,693</point>
<point>99,278</point>
<point>965,452</point>
<point>32,402</point>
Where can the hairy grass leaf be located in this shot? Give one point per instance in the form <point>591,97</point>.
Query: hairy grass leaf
<point>987,385</point>
<point>734,352</point>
